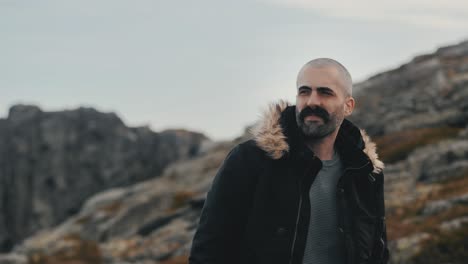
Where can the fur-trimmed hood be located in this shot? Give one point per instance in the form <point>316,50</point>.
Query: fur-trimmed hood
<point>268,133</point>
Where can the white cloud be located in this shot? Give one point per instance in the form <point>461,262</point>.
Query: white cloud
<point>433,14</point>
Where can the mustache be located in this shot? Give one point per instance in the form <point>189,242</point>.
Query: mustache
<point>318,111</point>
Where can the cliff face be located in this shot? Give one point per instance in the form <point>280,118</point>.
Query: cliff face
<point>51,162</point>
<point>417,115</point>
<point>429,91</point>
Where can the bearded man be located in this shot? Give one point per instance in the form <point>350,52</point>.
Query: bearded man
<point>307,189</point>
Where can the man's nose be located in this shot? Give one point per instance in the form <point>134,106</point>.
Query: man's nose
<point>314,99</point>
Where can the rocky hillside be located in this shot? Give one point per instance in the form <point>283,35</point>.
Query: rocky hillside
<point>429,91</point>
<point>417,116</point>
<point>51,162</point>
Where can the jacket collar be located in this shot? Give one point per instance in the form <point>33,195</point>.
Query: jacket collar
<point>277,134</point>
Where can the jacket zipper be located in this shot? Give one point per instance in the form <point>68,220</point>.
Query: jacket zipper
<point>297,222</point>
<point>298,214</point>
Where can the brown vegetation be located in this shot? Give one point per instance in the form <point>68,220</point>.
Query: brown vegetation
<point>73,250</point>
<point>453,187</point>
<point>407,220</point>
<point>112,207</point>
<point>396,146</point>
<point>448,247</point>
<point>176,260</point>
<point>180,199</point>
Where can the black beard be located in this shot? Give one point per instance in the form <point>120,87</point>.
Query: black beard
<point>313,130</point>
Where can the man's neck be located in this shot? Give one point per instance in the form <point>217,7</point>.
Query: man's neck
<point>323,148</point>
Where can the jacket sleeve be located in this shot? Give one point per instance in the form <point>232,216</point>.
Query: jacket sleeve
<point>381,252</point>
<point>224,214</point>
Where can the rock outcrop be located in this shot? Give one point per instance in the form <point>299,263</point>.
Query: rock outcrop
<point>148,222</point>
<point>51,162</point>
<point>429,91</point>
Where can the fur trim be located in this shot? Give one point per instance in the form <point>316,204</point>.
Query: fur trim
<point>371,151</point>
<point>268,135</point>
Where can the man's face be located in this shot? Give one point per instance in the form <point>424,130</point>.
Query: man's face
<point>321,102</point>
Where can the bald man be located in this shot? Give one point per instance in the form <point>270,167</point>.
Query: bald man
<point>307,188</point>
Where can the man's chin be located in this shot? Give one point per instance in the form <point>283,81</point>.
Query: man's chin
<point>316,131</point>
<point>311,133</point>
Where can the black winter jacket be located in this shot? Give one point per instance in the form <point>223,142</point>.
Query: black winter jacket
<point>258,210</point>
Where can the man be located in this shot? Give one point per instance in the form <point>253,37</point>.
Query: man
<point>308,188</point>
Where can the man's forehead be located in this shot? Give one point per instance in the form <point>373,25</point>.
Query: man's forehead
<point>320,76</point>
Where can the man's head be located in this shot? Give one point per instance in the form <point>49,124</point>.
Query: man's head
<point>324,97</point>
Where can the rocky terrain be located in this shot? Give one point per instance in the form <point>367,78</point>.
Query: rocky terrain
<point>429,91</point>
<point>51,162</point>
<point>417,114</point>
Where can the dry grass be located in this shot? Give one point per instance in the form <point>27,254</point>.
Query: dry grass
<point>402,226</point>
<point>76,251</point>
<point>176,260</point>
<point>83,219</point>
<point>112,207</point>
<point>396,146</point>
<point>447,247</point>
<point>406,220</point>
<point>398,224</point>
<point>453,187</point>
<point>180,199</point>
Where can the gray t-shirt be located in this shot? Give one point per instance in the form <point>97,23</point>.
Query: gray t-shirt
<point>322,246</point>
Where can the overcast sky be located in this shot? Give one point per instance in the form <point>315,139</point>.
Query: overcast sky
<point>208,66</point>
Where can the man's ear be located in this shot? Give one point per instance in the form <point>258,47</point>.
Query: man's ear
<point>349,106</point>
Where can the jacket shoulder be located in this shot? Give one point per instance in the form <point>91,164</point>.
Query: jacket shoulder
<point>251,150</point>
